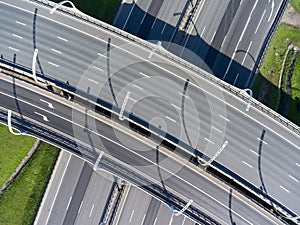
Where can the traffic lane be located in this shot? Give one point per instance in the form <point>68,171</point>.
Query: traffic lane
<point>134,21</point>
<point>135,207</point>
<point>53,187</point>
<point>247,158</point>
<point>164,215</point>
<point>95,198</point>
<point>166,21</point>
<point>33,95</point>
<point>218,200</point>
<point>65,193</point>
<point>123,13</point>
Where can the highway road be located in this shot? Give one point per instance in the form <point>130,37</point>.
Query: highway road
<point>191,109</point>
<point>66,200</point>
<point>61,200</point>
<point>98,133</point>
<point>226,36</point>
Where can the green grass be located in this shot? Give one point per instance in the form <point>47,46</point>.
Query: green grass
<point>12,151</point>
<point>104,10</point>
<point>267,80</point>
<point>20,203</point>
<point>294,113</point>
<point>296,5</point>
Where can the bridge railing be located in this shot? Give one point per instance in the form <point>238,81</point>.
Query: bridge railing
<point>237,92</point>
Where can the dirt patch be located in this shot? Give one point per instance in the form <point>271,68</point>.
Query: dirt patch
<point>291,17</point>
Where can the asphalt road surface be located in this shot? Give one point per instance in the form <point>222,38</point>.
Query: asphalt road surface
<point>225,36</point>
<point>160,165</point>
<point>169,97</point>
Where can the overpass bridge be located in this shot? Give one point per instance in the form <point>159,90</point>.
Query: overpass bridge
<point>168,96</point>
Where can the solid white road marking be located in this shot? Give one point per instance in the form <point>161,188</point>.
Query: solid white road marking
<point>80,207</point>
<point>293,178</point>
<point>17,36</point>
<point>138,87</point>
<point>53,64</point>
<point>97,68</point>
<point>50,105</point>
<point>213,36</point>
<point>175,106</point>
<point>143,219</point>
<point>14,49</point>
<point>131,216</point>
<point>169,118</point>
<point>241,37</point>
<point>216,129</point>
<point>45,118</point>
<point>202,32</point>
<point>69,203</point>
<point>272,9</point>
<point>260,21</point>
<point>155,221</point>
<point>236,78</point>
<point>96,82</point>
<point>18,22</point>
<point>209,141</point>
<point>285,189</point>
<point>223,40</point>
<point>163,28</point>
<point>54,50</point>
<point>247,52</point>
<point>145,75</point>
<point>91,211</point>
<point>58,188</point>
<point>262,141</point>
<point>143,17</point>
<point>223,117</point>
<point>183,221</point>
<point>63,39</point>
<point>254,152</point>
<point>247,164</point>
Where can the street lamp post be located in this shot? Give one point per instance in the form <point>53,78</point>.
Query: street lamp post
<point>216,155</point>
<point>34,59</point>
<point>250,98</point>
<point>60,4</point>
<point>9,124</point>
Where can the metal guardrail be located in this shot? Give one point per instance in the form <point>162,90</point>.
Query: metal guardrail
<point>108,164</point>
<point>237,92</point>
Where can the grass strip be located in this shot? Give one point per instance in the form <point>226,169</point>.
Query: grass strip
<point>266,84</point>
<point>12,150</point>
<point>21,202</point>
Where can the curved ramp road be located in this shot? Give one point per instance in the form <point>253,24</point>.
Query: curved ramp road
<point>168,96</point>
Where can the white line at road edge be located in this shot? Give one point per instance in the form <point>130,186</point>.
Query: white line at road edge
<point>69,203</point>
<point>58,188</point>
